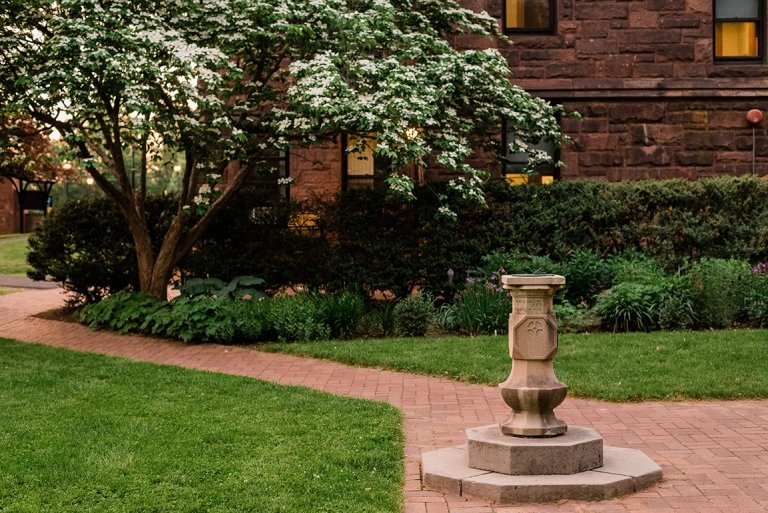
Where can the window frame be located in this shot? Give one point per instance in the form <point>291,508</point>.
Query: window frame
<point>535,30</point>
<point>347,179</point>
<point>553,170</point>
<point>760,27</point>
<point>283,162</point>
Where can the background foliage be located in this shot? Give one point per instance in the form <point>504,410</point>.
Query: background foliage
<point>365,242</point>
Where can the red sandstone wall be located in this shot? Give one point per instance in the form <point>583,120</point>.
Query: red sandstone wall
<point>641,73</point>
<point>316,172</point>
<point>663,139</point>
<point>616,39</point>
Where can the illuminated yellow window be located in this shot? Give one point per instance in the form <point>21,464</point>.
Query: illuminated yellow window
<point>521,179</point>
<point>528,15</point>
<point>738,29</point>
<point>361,168</point>
<point>515,163</point>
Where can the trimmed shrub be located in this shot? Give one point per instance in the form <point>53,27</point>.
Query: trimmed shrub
<point>757,297</point>
<point>254,235</point>
<point>512,262</point>
<point>413,315</point>
<point>251,319</point>
<point>378,320</point>
<point>365,242</point>
<point>238,287</point>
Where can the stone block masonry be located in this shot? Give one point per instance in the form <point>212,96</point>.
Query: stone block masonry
<point>675,138</point>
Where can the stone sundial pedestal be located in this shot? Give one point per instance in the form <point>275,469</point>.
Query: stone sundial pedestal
<point>533,456</point>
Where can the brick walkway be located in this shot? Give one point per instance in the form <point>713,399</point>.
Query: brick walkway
<point>714,454</point>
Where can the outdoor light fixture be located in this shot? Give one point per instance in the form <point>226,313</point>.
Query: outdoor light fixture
<point>754,117</point>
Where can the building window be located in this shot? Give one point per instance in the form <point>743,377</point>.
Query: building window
<point>738,29</point>
<point>514,163</point>
<point>529,15</point>
<point>361,169</point>
<point>267,170</point>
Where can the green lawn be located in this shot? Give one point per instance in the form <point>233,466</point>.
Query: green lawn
<point>616,367</point>
<point>89,433</point>
<point>13,255</point>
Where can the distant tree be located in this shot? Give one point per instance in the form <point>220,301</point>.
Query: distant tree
<point>222,81</point>
<point>26,152</point>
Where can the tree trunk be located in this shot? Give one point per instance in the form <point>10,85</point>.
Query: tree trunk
<point>166,259</point>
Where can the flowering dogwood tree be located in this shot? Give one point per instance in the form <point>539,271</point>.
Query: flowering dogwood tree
<point>223,81</point>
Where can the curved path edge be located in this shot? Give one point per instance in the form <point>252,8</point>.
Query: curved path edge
<point>714,454</point>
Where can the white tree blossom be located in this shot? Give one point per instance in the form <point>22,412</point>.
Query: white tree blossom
<point>221,81</point>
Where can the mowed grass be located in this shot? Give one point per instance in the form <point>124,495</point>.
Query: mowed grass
<point>725,364</point>
<point>13,255</point>
<point>89,433</point>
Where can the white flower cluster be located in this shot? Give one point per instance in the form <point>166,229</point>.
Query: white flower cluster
<point>445,212</point>
<point>203,197</point>
<point>400,186</point>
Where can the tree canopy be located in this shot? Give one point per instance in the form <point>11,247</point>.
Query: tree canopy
<point>26,152</point>
<point>223,81</point>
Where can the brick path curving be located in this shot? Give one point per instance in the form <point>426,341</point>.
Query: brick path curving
<point>714,453</point>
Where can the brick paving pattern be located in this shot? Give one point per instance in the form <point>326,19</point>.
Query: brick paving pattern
<point>713,453</point>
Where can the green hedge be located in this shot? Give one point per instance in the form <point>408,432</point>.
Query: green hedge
<point>366,242</point>
<point>369,242</point>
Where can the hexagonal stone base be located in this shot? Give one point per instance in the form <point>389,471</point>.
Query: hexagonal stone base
<point>578,450</point>
<point>624,471</point>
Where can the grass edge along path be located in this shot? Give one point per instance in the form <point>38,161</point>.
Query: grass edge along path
<point>727,364</point>
<point>88,433</point>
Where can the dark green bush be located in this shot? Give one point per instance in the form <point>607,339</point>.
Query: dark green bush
<point>298,317</point>
<point>413,315</point>
<point>719,288</point>
<point>479,308</point>
<point>575,318</point>
<point>341,312</point>
<point>199,319</point>
<point>86,246</point>
<point>122,312</point>
<point>254,235</point>
<point>251,320</point>
<point>378,320</point>
<point>512,262</point>
<point>367,243</point>
<point>238,287</point>
<point>757,298</point>
<point>629,307</point>
<point>588,275</point>
<point>634,267</point>
<point>676,307</point>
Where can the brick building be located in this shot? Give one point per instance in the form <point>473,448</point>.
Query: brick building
<point>663,87</point>
<point>34,199</point>
<point>9,208</point>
